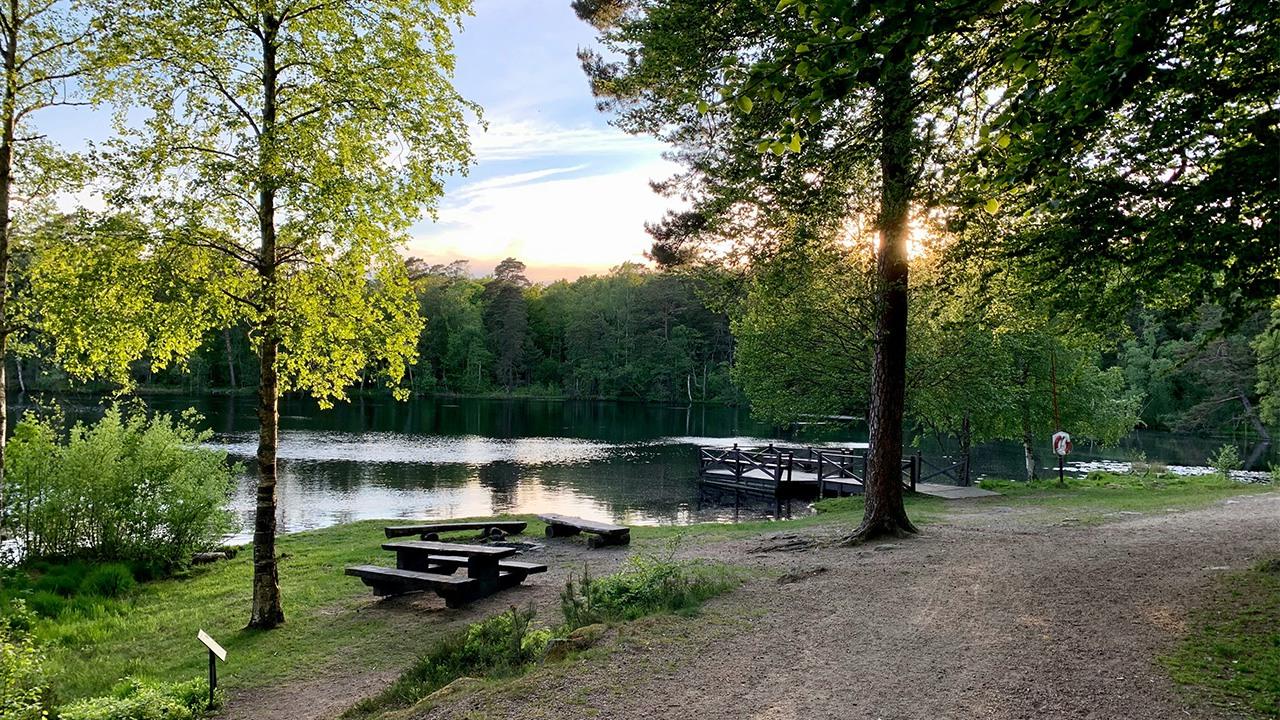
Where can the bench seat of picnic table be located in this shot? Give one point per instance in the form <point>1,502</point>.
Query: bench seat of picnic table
<point>510,527</point>
<point>456,590</point>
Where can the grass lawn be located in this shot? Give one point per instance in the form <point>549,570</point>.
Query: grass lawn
<point>155,634</point>
<point>1098,496</point>
<point>1231,656</point>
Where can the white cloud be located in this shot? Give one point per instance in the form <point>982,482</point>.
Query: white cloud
<point>509,139</point>
<point>509,180</point>
<point>566,226</point>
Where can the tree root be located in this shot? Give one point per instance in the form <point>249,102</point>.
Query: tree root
<point>893,528</point>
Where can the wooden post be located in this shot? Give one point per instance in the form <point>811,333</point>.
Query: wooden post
<point>737,469</point>
<point>916,461</point>
<point>822,483</point>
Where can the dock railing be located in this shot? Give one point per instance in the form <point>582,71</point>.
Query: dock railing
<point>772,468</point>
<point>957,471</point>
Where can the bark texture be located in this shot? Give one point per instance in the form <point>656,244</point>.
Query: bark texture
<point>268,611</point>
<point>885,514</point>
<point>7,124</point>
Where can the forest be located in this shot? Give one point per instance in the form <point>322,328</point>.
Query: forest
<point>789,340</point>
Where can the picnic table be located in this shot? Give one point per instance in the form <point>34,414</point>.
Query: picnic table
<point>431,565</point>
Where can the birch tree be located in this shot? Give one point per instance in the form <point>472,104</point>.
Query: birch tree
<point>42,50</point>
<point>296,140</point>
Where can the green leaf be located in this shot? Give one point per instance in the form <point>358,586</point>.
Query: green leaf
<point>745,104</point>
<point>802,48</point>
<point>992,207</point>
<point>703,107</point>
<point>1004,141</point>
<point>795,142</point>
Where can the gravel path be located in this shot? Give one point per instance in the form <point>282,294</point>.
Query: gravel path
<point>987,615</point>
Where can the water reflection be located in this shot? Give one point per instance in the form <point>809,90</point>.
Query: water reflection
<point>624,462</point>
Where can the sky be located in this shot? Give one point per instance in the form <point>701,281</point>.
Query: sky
<point>553,184</point>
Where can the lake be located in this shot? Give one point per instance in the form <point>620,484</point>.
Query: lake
<point>633,463</point>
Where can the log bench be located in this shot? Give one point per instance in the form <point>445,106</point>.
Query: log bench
<point>510,527</point>
<point>602,533</point>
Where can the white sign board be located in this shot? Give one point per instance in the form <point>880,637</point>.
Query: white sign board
<point>1061,443</point>
<point>213,645</point>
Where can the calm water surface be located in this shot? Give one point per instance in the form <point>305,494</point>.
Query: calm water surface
<point>625,462</point>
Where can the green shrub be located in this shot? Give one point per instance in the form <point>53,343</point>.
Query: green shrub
<point>1226,460</point>
<point>23,693</point>
<point>64,579</point>
<point>47,604</point>
<point>128,488</point>
<point>109,581</point>
<point>646,585</point>
<point>501,646</point>
<point>135,699</point>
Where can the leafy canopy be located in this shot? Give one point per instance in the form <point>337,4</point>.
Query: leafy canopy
<point>289,145</point>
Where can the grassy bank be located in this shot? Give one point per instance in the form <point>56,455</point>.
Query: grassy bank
<point>332,625</point>
<point>1231,655</point>
<point>1101,496</point>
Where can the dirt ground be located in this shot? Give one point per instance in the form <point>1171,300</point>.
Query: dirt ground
<point>991,613</point>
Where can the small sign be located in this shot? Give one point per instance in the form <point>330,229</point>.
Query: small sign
<point>213,645</point>
<point>1061,443</point>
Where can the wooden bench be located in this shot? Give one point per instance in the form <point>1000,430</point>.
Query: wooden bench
<point>604,533</point>
<point>456,591</point>
<point>510,527</point>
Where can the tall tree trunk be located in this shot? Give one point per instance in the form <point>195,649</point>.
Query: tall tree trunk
<point>1029,455</point>
<point>1028,441</point>
<point>9,111</point>
<point>1264,438</point>
<point>966,450</point>
<point>884,512</point>
<point>231,358</point>
<point>267,609</point>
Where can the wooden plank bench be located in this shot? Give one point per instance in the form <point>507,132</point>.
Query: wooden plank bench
<point>604,533</point>
<point>510,527</point>
<point>456,590</point>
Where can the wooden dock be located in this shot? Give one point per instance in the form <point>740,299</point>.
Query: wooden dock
<point>779,471</point>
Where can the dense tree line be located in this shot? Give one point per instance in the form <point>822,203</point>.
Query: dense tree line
<point>632,333</point>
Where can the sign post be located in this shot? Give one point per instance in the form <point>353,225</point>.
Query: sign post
<point>1061,447</point>
<point>215,653</point>
<point>1061,440</point>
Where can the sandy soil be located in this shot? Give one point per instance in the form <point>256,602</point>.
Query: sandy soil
<point>989,614</point>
